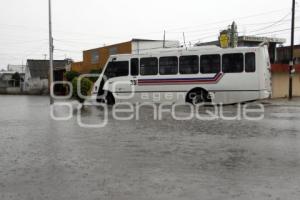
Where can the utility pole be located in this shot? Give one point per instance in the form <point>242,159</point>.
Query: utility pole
<point>164,43</point>
<point>291,68</point>
<point>50,52</point>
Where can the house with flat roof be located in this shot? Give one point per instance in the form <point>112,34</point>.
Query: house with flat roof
<point>37,74</point>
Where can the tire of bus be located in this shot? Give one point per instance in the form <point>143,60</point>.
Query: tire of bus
<point>197,96</point>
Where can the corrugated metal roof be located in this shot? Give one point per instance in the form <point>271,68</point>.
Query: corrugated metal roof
<point>40,68</point>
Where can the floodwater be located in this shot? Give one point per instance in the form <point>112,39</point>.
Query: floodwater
<point>147,159</point>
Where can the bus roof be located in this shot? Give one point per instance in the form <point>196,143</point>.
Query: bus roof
<point>200,49</point>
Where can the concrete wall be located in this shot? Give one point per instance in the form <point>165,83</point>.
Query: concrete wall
<point>36,86</point>
<point>280,84</point>
<point>11,90</point>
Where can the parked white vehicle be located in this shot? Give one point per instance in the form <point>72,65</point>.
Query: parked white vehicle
<point>198,74</point>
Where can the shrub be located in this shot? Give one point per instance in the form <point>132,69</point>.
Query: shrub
<point>71,75</point>
<point>86,86</point>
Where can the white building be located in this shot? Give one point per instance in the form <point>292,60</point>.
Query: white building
<point>9,84</point>
<point>140,46</point>
<point>16,68</point>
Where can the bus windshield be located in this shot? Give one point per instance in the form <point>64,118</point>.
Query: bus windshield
<point>117,69</point>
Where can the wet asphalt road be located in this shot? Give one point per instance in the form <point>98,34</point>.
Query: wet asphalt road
<point>43,159</point>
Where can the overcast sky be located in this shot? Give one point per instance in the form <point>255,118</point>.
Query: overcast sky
<point>84,24</point>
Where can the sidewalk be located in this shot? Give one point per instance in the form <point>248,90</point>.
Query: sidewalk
<point>282,102</point>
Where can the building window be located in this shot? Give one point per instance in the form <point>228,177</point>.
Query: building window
<point>250,62</point>
<point>117,69</point>
<point>168,65</point>
<point>134,66</point>
<point>189,65</point>
<point>210,64</point>
<point>113,51</point>
<point>149,66</point>
<point>233,63</point>
<point>95,57</point>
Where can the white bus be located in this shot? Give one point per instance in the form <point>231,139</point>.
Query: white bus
<point>193,75</point>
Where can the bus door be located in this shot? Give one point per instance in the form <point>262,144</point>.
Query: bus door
<point>116,76</point>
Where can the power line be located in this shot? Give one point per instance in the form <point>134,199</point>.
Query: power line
<point>264,33</point>
<point>278,31</point>
<point>273,24</point>
<point>263,23</point>
<point>205,33</point>
<point>218,27</point>
<point>201,37</point>
<point>158,32</point>
<point>170,30</point>
<point>245,17</point>
<point>148,33</point>
<point>215,28</point>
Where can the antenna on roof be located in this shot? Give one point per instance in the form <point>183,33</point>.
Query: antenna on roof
<point>184,39</point>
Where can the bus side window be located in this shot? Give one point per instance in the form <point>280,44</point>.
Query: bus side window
<point>250,62</point>
<point>149,66</point>
<point>233,63</point>
<point>134,66</point>
<point>189,65</point>
<point>210,64</point>
<point>168,65</point>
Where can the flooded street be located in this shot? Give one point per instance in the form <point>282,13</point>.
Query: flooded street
<point>44,159</point>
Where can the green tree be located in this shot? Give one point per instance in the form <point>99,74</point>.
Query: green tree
<point>85,88</point>
<point>71,75</point>
<point>17,79</point>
